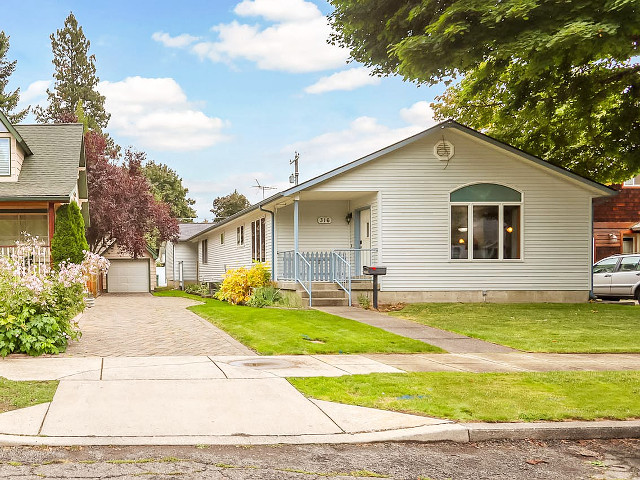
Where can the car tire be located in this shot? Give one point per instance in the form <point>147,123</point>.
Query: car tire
<point>637,294</point>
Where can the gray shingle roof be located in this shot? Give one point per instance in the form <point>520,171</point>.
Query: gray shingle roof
<point>189,229</point>
<point>51,173</point>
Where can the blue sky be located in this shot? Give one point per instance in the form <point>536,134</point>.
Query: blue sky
<point>223,92</point>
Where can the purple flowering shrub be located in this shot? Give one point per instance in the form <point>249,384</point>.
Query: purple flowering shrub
<point>37,305</point>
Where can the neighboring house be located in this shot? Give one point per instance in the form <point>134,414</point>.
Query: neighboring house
<point>130,275</point>
<point>181,257</point>
<point>453,214</point>
<point>41,167</point>
<point>616,221</point>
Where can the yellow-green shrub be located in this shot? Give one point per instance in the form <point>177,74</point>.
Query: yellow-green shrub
<point>238,283</point>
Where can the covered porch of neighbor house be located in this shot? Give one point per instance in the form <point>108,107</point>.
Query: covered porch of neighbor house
<point>34,218</point>
<point>326,237</point>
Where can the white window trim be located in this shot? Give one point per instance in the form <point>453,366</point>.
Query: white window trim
<point>501,206</point>
<point>240,236</point>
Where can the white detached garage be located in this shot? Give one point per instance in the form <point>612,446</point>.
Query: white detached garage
<point>130,275</point>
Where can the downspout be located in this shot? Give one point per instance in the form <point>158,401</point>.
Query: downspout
<point>591,256</point>
<point>273,243</point>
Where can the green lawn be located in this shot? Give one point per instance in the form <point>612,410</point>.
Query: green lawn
<point>488,397</point>
<point>274,331</point>
<point>14,395</point>
<point>538,327</point>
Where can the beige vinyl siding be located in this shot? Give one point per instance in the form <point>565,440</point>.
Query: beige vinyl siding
<point>17,157</point>
<point>181,252</point>
<point>230,255</point>
<point>414,190</point>
<point>312,235</point>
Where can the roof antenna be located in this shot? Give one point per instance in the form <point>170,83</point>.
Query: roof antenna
<point>263,187</point>
<point>293,178</point>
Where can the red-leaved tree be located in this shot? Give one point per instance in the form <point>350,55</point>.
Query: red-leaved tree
<point>122,208</point>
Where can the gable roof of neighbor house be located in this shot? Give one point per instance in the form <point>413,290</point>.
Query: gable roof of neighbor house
<point>188,230</point>
<point>603,189</point>
<point>50,172</point>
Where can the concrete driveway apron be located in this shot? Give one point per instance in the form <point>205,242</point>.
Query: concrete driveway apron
<point>144,325</point>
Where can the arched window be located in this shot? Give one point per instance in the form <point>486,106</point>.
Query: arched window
<point>486,221</point>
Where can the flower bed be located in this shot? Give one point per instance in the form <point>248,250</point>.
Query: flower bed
<point>38,304</point>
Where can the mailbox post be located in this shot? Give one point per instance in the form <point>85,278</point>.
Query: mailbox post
<point>375,272</point>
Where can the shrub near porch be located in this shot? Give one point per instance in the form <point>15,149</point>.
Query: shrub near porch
<point>538,327</point>
<point>274,331</point>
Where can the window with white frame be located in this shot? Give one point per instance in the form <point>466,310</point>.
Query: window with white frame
<point>240,235</point>
<point>258,240</point>
<point>632,182</point>
<point>5,156</point>
<point>204,246</point>
<point>486,223</point>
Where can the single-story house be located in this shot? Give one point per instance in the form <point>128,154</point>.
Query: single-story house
<point>453,214</point>
<point>181,257</point>
<point>41,167</point>
<point>616,221</point>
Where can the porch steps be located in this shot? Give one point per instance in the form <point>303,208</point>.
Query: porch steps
<point>325,294</point>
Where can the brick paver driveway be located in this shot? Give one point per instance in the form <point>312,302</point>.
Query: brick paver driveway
<point>144,325</point>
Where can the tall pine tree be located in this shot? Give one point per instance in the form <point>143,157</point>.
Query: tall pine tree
<point>75,79</point>
<point>8,100</point>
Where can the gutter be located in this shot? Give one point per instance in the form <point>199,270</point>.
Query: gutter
<point>273,242</point>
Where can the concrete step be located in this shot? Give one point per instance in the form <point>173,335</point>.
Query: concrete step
<point>329,302</point>
<point>324,293</point>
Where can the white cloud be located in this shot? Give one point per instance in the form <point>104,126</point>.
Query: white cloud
<point>294,39</point>
<point>36,91</point>
<point>364,135</point>
<point>156,114</point>
<point>278,10</point>
<point>179,41</point>
<point>420,113</point>
<point>345,80</point>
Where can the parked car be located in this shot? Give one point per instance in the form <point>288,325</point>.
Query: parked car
<point>617,277</point>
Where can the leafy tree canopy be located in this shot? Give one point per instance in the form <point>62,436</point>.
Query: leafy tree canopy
<point>75,79</point>
<point>228,205</point>
<point>558,79</point>
<point>122,207</point>
<point>167,187</point>
<point>9,100</point>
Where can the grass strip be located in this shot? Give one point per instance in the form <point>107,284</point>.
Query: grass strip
<point>537,327</point>
<point>488,397</point>
<point>14,394</point>
<point>275,331</point>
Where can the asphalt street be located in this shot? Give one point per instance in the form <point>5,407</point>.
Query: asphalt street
<point>530,460</point>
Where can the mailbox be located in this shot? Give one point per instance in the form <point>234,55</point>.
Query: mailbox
<point>375,272</point>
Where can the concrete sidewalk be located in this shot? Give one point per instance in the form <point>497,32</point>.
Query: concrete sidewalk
<point>449,341</point>
<point>247,400</point>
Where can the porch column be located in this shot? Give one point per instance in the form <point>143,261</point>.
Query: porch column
<point>51,214</point>
<point>295,237</point>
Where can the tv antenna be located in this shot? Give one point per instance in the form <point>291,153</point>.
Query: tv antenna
<point>293,178</point>
<point>263,187</point>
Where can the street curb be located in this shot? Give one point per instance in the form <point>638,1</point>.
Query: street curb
<point>554,430</point>
<point>459,433</point>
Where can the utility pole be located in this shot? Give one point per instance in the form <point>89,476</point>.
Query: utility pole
<point>294,178</point>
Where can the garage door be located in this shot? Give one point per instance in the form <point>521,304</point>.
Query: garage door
<point>128,276</point>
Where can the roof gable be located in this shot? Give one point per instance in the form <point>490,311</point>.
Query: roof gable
<point>11,129</point>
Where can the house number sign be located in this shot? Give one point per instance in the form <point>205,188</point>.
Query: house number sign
<point>324,220</point>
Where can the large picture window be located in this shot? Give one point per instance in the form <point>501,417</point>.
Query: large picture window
<point>486,223</point>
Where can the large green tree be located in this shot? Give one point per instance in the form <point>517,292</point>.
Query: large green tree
<point>228,205</point>
<point>75,79</point>
<point>559,79</point>
<point>167,187</point>
<point>8,99</point>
